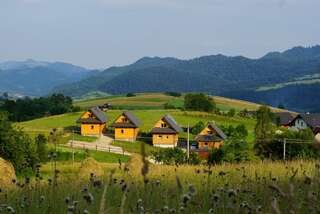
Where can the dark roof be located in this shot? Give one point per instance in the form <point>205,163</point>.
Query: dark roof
<point>101,117</point>
<point>135,122</point>
<point>123,125</point>
<point>208,138</point>
<point>169,119</point>
<point>132,118</point>
<point>312,119</point>
<point>163,131</point>
<point>317,130</point>
<point>218,130</point>
<point>284,118</point>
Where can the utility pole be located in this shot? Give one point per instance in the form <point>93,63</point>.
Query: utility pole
<point>284,148</point>
<point>72,147</point>
<point>188,144</point>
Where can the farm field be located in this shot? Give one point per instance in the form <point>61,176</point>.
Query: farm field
<point>157,101</point>
<point>257,187</point>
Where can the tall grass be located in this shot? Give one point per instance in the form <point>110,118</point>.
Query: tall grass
<point>134,187</point>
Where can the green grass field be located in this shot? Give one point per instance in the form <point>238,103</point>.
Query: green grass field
<point>260,187</point>
<point>147,117</point>
<point>157,101</point>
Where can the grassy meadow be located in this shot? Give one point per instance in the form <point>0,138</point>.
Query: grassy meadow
<point>147,117</point>
<point>135,187</point>
<point>158,100</point>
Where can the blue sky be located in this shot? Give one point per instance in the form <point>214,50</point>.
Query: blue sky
<point>102,33</point>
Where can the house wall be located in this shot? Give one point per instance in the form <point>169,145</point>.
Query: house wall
<point>122,119</point>
<point>92,129</point>
<point>317,138</point>
<point>126,134</point>
<point>165,140</point>
<point>207,131</point>
<point>161,124</point>
<point>209,145</point>
<point>88,114</point>
<point>300,124</point>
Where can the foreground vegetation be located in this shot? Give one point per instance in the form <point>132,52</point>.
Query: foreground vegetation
<point>137,187</point>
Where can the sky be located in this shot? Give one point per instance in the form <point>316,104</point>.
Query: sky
<point>103,33</point>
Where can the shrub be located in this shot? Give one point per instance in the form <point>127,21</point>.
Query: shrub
<point>130,95</point>
<point>170,156</point>
<point>196,129</point>
<point>16,146</point>
<point>173,94</point>
<point>198,102</point>
<point>231,112</point>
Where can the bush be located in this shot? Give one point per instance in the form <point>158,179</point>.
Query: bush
<point>130,95</point>
<point>16,146</point>
<point>231,112</point>
<point>171,156</point>
<point>196,129</point>
<point>169,106</point>
<point>198,102</point>
<point>173,94</point>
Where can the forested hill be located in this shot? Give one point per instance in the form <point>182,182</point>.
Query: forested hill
<point>37,78</point>
<point>216,74</point>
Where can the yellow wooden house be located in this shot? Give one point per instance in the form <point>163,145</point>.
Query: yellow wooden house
<point>210,137</point>
<point>93,122</point>
<point>126,127</point>
<point>165,132</point>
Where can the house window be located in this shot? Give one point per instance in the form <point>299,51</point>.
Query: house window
<point>163,125</point>
<point>92,127</point>
<point>167,137</point>
<point>160,136</point>
<point>122,131</point>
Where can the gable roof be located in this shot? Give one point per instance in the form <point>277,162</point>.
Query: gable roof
<point>101,117</point>
<point>135,122</point>
<point>217,129</point>
<point>284,118</point>
<point>174,127</point>
<point>312,119</point>
<point>220,136</point>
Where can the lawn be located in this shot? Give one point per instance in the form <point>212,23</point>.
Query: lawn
<point>135,147</point>
<point>147,117</point>
<point>80,154</point>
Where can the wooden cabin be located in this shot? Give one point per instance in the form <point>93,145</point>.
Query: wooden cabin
<point>210,137</point>
<point>93,122</point>
<point>126,127</point>
<point>165,132</point>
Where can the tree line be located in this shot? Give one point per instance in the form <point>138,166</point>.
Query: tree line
<point>27,108</point>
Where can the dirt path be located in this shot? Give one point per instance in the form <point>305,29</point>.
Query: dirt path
<point>103,144</point>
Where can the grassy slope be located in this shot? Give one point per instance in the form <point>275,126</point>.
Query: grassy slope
<point>147,117</point>
<point>157,100</point>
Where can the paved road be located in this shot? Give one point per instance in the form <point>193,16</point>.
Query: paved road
<point>103,144</point>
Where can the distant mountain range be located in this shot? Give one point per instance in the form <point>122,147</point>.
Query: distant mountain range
<point>36,78</point>
<point>290,78</point>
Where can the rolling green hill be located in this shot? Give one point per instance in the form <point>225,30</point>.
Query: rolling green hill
<point>148,107</point>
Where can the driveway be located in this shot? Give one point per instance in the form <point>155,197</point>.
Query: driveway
<point>103,143</point>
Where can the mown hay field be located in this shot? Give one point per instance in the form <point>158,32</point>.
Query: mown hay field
<point>157,101</point>
<point>258,187</point>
